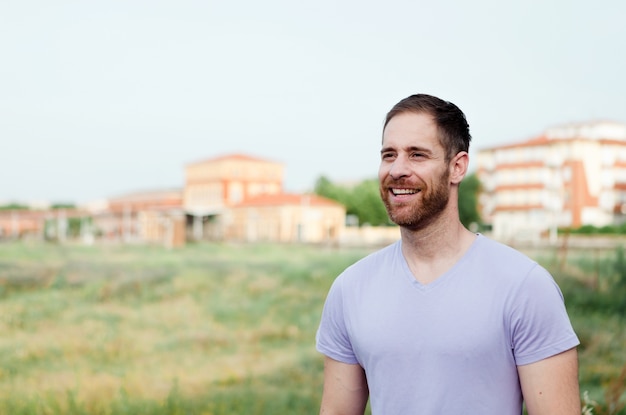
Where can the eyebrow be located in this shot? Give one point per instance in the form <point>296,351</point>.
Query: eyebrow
<point>408,149</point>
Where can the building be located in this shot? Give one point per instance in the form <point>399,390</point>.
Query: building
<point>214,184</point>
<point>148,216</point>
<point>239,197</point>
<point>285,218</point>
<point>569,176</point>
<point>20,223</point>
<point>50,224</point>
<point>228,198</point>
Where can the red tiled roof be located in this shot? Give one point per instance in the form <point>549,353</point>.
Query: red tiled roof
<point>612,141</point>
<point>539,140</point>
<point>521,165</point>
<point>593,130</point>
<point>288,199</point>
<point>520,186</point>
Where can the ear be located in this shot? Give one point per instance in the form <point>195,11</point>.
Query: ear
<point>458,167</point>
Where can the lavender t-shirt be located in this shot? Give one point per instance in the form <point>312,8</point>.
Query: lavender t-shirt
<point>451,346</point>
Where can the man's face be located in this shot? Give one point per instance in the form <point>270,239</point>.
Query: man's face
<point>413,173</point>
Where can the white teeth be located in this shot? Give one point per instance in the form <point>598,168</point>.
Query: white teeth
<point>403,191</point>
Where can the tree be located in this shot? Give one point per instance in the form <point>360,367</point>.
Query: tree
<point>362,200</point>
<point>468,200</point>
<point>14,206</point>
<point>324,187</point>
<point>366,204</point>
<point>63,206</point>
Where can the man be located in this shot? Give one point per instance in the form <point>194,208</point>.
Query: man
<point>444,321</point>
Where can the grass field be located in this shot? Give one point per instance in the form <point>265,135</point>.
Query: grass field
<point>206,329</point>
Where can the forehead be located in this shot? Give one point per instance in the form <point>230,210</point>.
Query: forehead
<point>411,128</point>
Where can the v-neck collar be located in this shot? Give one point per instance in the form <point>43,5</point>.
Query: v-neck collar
<point>443,278</point>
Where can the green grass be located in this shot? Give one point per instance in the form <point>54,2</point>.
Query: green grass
<point>594,286</point>
<point>206,329</point>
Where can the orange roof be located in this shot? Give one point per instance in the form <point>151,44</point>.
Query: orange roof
<point>520,186</point>
<point>288,199</point>
<point>509,208</point>
<point>612,141</point>
<point>606,132</point>
<point>535,141</point>
<point>234,156</point>
<point>521,165</point>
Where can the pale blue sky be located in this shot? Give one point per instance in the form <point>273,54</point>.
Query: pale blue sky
<point>101,98</point>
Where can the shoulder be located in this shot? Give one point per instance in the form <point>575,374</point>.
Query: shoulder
<point>499,255</point>
<point>492,246</point>
<point>379,259</point>
<point>503,265</point>
<point>369,269</point>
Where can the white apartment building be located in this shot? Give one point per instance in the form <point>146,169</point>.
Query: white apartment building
<point>571,175</point>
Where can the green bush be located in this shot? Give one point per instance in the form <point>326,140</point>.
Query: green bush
<point>594,230</point>
<point>607,293</point>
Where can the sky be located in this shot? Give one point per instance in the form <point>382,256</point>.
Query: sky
<point>104,98</point>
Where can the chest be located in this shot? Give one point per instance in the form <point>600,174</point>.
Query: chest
<point>448,324</point>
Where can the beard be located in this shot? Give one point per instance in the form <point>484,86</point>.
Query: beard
<point>419,213</point>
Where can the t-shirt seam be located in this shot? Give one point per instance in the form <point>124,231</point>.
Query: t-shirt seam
<point>333,354</point>
<point>548,351</point>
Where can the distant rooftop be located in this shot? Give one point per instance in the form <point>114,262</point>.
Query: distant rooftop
<point>594,130</point>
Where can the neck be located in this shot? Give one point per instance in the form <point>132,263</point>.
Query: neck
<point>431,251</point>
<point>436,240</point>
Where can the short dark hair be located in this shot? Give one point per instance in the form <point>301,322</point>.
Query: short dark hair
<point>454,134</point>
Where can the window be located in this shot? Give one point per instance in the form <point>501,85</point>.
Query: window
<point>235,193</point>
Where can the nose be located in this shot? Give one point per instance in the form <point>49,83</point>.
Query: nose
<point>399,168</point>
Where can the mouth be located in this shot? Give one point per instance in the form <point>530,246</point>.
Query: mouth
<point>402,192</point>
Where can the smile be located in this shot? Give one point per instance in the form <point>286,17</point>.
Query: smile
<point>397,192</point>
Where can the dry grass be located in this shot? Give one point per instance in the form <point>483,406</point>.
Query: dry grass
<point>97,321</point>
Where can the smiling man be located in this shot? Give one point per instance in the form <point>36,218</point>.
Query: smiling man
<point>443,321</point>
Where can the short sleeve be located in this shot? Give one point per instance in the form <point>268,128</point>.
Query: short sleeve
<point>540,325</point>
<point>332,337</point>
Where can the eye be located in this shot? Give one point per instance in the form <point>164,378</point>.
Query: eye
<point>387,156</point>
